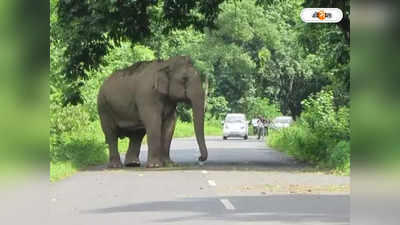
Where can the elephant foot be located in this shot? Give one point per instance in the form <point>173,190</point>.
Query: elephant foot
<point>135,163</point>
<point>154,164</point>
<point>114,164</point>
<point>169,163</point>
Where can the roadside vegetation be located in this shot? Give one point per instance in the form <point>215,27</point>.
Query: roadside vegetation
<point>257,58</point>
<point>321,135</point>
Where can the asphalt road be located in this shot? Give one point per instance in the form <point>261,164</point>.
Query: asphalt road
<point>243,182</point>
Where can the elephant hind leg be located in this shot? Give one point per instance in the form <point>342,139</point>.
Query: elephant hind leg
<point>110,132</point>
<point>132,155</point>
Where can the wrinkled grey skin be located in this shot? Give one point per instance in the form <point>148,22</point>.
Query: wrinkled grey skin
<point>142,99</point>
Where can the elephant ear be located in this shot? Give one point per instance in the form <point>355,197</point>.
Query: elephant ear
<point>161,81</point>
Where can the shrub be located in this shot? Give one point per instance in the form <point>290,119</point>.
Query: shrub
<point>81,148</point>
<point>75,141</point>
<point>320,136</point>
<point>340,157</point>
<point>320,115</point>
<point>67,119</point>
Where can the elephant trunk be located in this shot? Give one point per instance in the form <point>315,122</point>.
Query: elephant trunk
<point>198,118</point>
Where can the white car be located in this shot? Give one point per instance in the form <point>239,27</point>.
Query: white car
<point>281,122</point>
<point>235,125</point>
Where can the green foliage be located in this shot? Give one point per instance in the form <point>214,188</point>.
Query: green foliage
<point>259,50</point>
<point>90,27</point>
<point>184,113</point>
<point>217,107</point>
<point>67,119</point>
<point>261,106</point>
<point>59,170</point>
<point>340,156</point>
<point>297,141</point>
<point>344,5</point>
<point>320,115</point>
<point>260,60</point>
<point>80,148</point>
<point>320,136</point>
<point>74,140</point>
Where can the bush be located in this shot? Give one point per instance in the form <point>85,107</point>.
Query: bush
<point>75,141</point>
<point>67,119</point>
<point>82,148</point>
<point>340,157</point>
<point>297,141</point>
<point>320,136</point>
<point>320,115</point>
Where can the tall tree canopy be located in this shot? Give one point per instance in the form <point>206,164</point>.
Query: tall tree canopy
<point>343,5</point>
<point>248,50</point>
<point>92,27</point>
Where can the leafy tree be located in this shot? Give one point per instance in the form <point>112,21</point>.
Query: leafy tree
<point>344,5</point>
<point>90,27</point>
<point>261,107</point>
<point>217,107</point>
<point>256,51</point>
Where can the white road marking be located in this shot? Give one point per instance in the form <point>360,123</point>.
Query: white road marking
<point>228,205</point>
<point>212,183</point>
<point>204,171</point>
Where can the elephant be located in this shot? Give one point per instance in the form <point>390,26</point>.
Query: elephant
<point>142,99</point>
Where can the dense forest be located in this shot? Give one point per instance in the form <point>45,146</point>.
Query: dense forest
<point>256,57</point>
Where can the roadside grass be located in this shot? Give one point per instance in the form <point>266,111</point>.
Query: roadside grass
<point>86,147</point>
<point>185,129</point>
<point>300,143</point>
<point>60,170</point>
<point>77,150</point>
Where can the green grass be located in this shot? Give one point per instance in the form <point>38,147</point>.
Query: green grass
<point>185,129</point>
<point>77,150</point>
<point>60,170</point>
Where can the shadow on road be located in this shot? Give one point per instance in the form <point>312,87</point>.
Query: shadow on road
<point>282,208</point>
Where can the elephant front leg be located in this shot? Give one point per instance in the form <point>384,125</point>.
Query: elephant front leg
<point>153,130</point>
<point>168,128</point>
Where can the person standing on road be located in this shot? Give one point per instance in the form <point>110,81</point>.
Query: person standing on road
<point>266,125</point>
<point>261,128</point>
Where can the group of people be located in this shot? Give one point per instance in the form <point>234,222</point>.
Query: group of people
<point>262,127</point>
